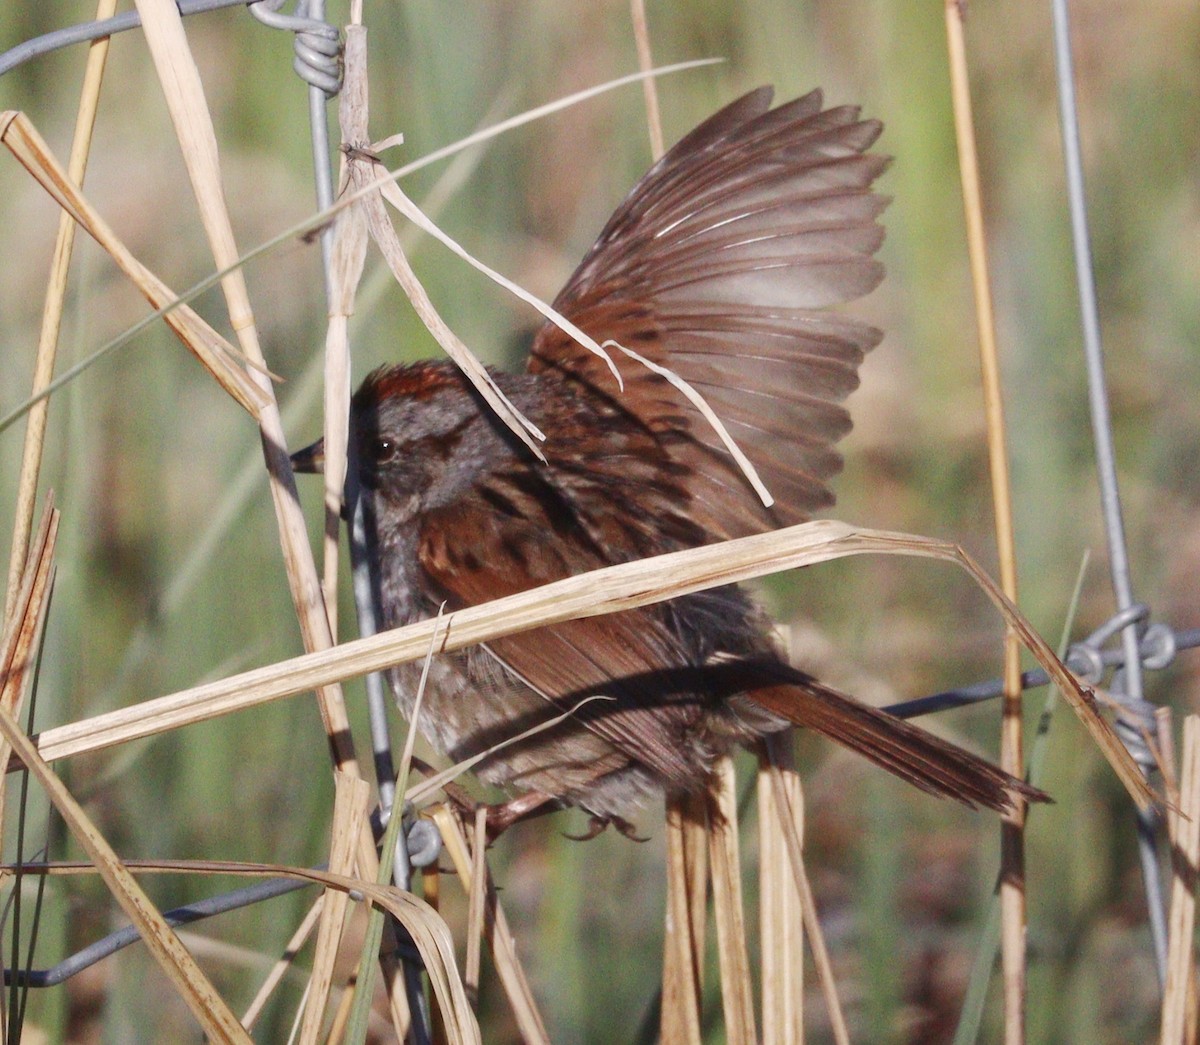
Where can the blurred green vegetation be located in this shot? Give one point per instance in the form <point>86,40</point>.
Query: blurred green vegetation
<point>144,455</point>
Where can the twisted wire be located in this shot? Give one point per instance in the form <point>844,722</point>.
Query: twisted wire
<point>318,44</point>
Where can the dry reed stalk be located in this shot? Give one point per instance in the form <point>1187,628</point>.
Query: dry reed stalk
<point>780,917</point>
<point>1012,758</point>
<point>686,910</point>
<point>609,590</point>
<point>1183,822</point>
<point>1164,752</point>
<point>431,890</point>
<point>348,254</point>
<point>496,931</point>
<point>476,903</point>
<point>341,1015</point>
<point>641,34</point>
<point>351,798</point>
<point>366,176</point>
<point>26,623</point>
<point>307,924</point>
<point>787,820</point>
<point>56,292</point>
<point>733,951</point>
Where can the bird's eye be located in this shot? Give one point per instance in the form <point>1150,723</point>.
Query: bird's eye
<point>382,449</point>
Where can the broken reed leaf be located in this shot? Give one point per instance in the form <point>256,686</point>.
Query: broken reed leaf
<point>27,624</point>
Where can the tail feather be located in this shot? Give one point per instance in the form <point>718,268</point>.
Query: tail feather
<point>911,753</point>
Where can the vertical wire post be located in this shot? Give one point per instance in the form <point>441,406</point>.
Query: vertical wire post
<point>1129,681</point>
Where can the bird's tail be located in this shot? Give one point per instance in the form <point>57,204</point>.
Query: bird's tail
<point>911,753</point>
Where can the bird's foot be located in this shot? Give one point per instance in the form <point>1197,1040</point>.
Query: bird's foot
<point>502,815</point>
<point>597,824</point>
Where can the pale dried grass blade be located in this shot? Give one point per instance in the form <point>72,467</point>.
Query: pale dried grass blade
<point>348,254</point>
<point>733,952</point>
<point>541,111</point>
<point>780,916</point>
<point>475,905</point>
<point>683,939</point>
<point>500,939</point>
<point>336,438</point>
<point>1184,830</point>
<point>351,797</point>
<point>56,292</point>
<point>341,1016</point>
<point>427,929</point>
<point>213,351</point>
<point>1012,755</point>
<point>422,792</point>
<point>184,95</point>
<point>709,415</point>
<point>786,820</point>
<point>389,245</point>
<point>614,588</point>
<point>410,737</point>
<point>396,197</point>
<point>285,962</point>
<point>641,34</point>
<point>208,1007</point>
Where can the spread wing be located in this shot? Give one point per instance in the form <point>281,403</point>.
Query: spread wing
<point>718,265</point>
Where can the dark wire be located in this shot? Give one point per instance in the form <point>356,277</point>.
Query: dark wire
<point>88,31</point>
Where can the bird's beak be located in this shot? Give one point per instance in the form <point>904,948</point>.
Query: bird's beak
<point>310,460</point>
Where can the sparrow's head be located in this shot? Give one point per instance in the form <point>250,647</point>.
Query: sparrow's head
<point>420,435</point>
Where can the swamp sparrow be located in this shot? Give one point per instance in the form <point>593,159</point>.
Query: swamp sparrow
<point>717,265</point>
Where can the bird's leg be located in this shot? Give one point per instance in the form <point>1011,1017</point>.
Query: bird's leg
<point>501,815</point>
